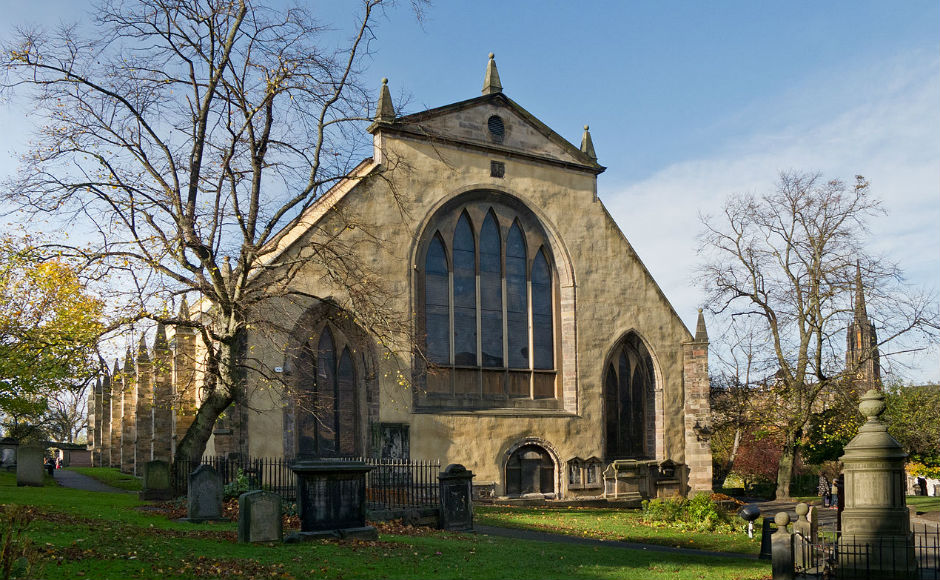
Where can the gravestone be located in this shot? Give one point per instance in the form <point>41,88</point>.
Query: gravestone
<point>805,535</point>
<point>331,497</point>
<point>29,466</point>
<point>157,485</point>
<point>205,495</point>
<point>259,517</point>
<point>781,561</point>
<point>456,501</point>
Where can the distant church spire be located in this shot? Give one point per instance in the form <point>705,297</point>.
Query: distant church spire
<point>491,81</point>
<point>587,145</point>
<point>384,110</point>
<point>861,353</point>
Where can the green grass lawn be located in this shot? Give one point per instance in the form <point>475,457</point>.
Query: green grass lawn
<point>81,534</point>
<point>613,524</point>
<point>110,476</point>
<point>923,503</point>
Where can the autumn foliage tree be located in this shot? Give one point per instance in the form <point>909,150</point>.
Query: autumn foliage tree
<point>182,137</point>
<point>49,325</point>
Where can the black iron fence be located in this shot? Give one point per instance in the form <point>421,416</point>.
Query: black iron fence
<point>833,555</point>
<point>391,484</point>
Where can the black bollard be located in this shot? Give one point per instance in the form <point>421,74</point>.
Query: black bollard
<point>766,552</point>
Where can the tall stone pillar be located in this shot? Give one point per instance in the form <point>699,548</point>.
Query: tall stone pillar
<point>117,414</point>
<point>96,458</point>
<point>129,418</point>
<point>184,377</point>
<point>162,440</point>
<point>104,430</point>
<point>698,455</point>
<point>876,540</point>
<point>143,452</point>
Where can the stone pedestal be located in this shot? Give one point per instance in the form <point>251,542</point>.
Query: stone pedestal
<point>331,497</point>
<point>456,498</point>
<point>876,536</point>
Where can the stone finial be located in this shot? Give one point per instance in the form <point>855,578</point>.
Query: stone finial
<point>117,368</point>
<point>701,334</point>
<point>184,308</point>
<point>384,110</point>
<point>226,268</point>
<point>142,355</point>
<point>491,83</point>
<point>587,145</point>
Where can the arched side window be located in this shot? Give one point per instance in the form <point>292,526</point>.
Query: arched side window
<point>327,406</point>
<point>628,388</point>
<point>489,310</point>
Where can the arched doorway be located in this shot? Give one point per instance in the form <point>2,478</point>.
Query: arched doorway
<point>530,469</point>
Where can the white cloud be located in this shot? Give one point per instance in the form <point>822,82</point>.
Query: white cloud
<point>888,130</point>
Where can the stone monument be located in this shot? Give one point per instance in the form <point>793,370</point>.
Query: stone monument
<point>156,480</point>
<point>876,536</point>
<point>331,495</point>
<point>456,498</point>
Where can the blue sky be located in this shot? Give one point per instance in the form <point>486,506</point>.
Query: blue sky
<point>688,102</point>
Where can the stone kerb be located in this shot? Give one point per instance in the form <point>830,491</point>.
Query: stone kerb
<point>204,502</point>
<point>259,517</point>
<point>29,466</point>
<point>156,481</point>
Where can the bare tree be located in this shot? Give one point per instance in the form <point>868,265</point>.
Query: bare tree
<point>183,136</point>
<point>788,261</point>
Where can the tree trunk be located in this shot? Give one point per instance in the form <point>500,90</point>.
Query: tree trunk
<point>785,467</point>
<point>729,466</point>
<point>224,378</point>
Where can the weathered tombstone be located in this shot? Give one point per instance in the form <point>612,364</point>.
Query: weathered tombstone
<point>205,495</point>
<point>456,484</point>
<point>157,484</point>
<point>259,517</point>
<point>8,447</point>
<point>331,497</point>
<point>29,466</point>
<point>781,561</point>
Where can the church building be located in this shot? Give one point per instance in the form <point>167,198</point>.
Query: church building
<point>538,351</point>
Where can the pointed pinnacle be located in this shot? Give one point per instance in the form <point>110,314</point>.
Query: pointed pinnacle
<point>701,334</point>
<point>128,361</point>
<point>491,83</point>
<point>159,341</point>
<point>587,145</point>
<point>142,355</point>
<point>384,110</point>
<point>117,368</point>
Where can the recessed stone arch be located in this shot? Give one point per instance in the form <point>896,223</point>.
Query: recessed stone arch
<point>345,335</point>
<point>652,444</point>
<point>481,200</point>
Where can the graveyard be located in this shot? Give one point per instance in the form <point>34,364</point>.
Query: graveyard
<point>80,534</point>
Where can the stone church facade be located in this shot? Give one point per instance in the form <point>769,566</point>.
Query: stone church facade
<point>538,350</point>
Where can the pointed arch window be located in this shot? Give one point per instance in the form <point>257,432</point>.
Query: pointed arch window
<point>327,418</point>
<point>628,391</point>
<point>488,312</point>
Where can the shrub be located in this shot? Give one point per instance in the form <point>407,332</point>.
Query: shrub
<point>699,513</point>
<point>238,486</point>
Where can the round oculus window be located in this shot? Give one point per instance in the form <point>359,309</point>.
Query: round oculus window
<point>496,128</point>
